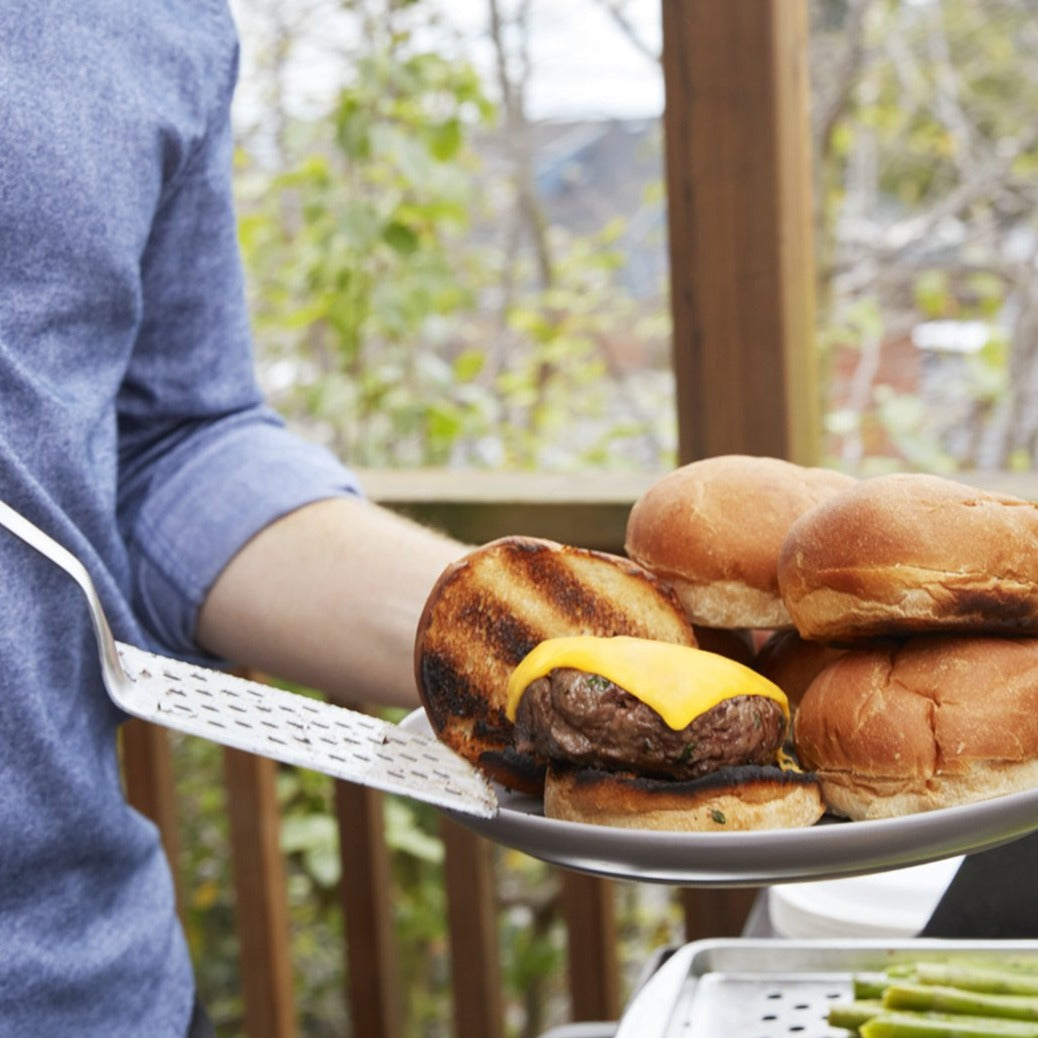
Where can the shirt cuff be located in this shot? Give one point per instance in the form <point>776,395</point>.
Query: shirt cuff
<point>193,524</point>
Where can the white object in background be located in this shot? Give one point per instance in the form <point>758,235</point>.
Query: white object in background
<point>886,904</point>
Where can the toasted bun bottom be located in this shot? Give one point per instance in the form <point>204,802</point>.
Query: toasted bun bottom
<point>861,798</point>
<point>732,800</point>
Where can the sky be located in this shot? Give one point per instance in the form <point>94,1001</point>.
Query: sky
<point>584,65</point>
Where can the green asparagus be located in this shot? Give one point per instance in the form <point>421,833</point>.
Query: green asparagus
<point>937,1025</point>
<point>978,978</point>
<point>942,999</point>
<point>851,1015</point>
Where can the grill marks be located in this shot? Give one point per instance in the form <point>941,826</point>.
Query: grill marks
<point>490,610</point>
<point>499,631</point>
<point>558,580</point>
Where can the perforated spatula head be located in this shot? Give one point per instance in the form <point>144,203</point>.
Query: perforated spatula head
<point>247,715</point>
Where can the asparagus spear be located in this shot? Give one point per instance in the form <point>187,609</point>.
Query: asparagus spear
<point>851,1015</point>
<point>938,1025</point>
<point>978,978</point>
<point>941,999</point>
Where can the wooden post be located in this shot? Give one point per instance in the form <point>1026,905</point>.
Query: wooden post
<point>147,762</point>
<point>716,912</point>
<point>374,982</point>
<point>740,222</point>
<point>472,921</point>
<point>594,970</point>
<point>260,893</point>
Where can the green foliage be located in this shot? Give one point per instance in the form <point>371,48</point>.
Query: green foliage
<point>351,259</point>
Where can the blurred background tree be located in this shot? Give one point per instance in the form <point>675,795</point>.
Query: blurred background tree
<point>440,275</point>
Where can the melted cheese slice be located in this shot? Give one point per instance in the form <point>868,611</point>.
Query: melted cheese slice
<point>676,681</point>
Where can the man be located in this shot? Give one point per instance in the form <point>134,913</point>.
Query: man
<point>132,431</point>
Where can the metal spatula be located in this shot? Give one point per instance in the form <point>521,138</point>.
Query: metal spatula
<point>250,716</point>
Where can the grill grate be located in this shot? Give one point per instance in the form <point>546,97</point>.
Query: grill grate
<point>775,988</point>
<point>760,1005</point>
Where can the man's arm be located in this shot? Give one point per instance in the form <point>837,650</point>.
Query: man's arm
<point>329,596</point>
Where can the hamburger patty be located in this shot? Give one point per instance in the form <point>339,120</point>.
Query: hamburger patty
<point>586,719</point>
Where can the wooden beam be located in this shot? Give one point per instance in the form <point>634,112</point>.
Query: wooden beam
<point>740,222</point>
<point>583,509</point>
<point>716,912</point>
<point>365,893</point>
<point>472,922</point>
<point>260,892</point>
<point>593,964</point>
<point>147,761</point>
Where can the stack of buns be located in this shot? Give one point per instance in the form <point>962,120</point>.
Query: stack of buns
<point>896,618</point>
<point>899,613</point>
<point>931,588</point>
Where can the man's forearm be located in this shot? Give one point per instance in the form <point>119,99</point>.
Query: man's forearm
<point>329,596</point>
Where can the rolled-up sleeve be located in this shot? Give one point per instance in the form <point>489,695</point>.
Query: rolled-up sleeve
<point>216,491</point>
<point>204,463</point>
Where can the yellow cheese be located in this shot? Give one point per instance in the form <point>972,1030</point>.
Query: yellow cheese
<point>676,681</point>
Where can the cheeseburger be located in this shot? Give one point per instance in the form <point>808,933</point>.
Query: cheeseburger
<point>641,734</point>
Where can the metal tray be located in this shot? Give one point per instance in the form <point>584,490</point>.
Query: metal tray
<point>828,850</point>
<point>742,988</point>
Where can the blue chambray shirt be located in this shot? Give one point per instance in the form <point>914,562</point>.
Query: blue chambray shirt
<point>131,429</point>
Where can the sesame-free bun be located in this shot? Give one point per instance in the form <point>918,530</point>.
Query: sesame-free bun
<point>792,662</point>
<point>713,528</point>
<point>933,721</point>
<point>493,606</point>
<point>911,552</point>
<point>732,800</point>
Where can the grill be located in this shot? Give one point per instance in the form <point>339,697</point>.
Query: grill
<point>745,988</point>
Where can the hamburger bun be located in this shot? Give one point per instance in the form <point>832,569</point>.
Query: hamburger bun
<point>712,529</point>
<point>733,800</point>
<point>910,552</point>
<point>792,662</point>
<point>488,610</point>
<point>929,722</point>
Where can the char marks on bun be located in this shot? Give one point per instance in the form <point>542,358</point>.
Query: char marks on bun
<point>713,528</point>
<point>932,721</point>
<point>491,608</point>
<point>905,553</point>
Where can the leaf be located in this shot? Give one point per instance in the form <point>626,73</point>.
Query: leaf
<point>305,832</point>
<point>446,140</point>
<point>468,364</point>
<point>400,238</point>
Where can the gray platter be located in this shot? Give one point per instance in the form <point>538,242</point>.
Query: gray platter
<point>829,850</point>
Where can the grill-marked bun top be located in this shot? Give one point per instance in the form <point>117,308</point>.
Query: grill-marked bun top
<point>492,607</point>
